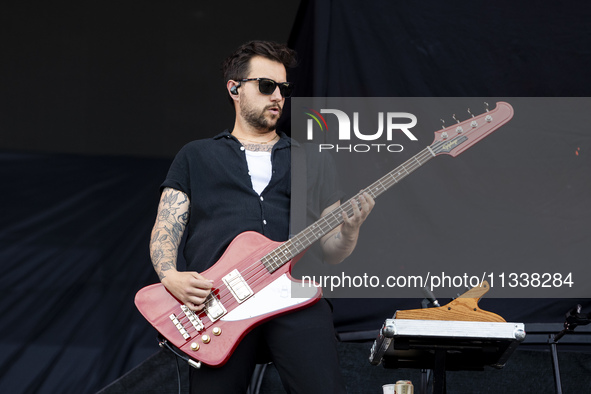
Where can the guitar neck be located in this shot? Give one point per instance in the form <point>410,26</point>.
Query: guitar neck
<point>300,242</point>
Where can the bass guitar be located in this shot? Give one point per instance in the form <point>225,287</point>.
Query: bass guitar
<point>252,281</point>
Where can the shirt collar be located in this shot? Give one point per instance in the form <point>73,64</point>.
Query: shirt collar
<point>283,138</point>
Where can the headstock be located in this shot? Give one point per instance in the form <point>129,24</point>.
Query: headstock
<point>455,139</point>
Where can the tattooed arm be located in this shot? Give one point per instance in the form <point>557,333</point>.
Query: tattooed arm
<point>173,214</point>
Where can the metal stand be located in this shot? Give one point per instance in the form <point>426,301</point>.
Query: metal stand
<point>574,318</point>
<point>555,368</point>
<point>439,381</point>
<point>424,380</point>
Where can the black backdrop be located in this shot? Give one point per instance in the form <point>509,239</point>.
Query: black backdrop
<point>429,49</point>
<point>75,227</point>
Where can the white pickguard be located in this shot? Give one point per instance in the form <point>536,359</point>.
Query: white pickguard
<point>274,297</point>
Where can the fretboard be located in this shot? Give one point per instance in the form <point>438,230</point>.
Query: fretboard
<point>300,242</point>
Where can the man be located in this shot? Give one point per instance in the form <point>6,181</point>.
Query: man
<point>240,181</point>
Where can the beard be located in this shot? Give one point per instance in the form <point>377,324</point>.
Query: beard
<point>259,119</point>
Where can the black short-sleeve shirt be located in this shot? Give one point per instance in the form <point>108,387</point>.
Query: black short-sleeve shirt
<point>214,174</point>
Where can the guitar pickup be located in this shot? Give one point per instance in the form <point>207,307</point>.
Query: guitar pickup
<point>195,321</point>
<point>179,326</point>
<point>238,286</point>
<point>214,308</point>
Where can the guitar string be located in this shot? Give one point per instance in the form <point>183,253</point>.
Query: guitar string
<point>258,270</point>
<point>260,267</point>
<point>375,189</point>
<point>334,218</point>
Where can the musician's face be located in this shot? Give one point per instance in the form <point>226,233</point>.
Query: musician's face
<point>259,110</point>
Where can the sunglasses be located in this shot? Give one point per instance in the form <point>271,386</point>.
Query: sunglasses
<point>267,86</point>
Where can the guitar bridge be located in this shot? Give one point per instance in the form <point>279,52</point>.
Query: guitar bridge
<point>179,326</point>
<point>195,321</point>
<point>238,286</point>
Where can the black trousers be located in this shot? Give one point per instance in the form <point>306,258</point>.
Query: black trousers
<point>302,346</point>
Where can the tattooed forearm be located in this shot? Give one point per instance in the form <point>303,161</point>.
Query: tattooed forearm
<point>172,217</point>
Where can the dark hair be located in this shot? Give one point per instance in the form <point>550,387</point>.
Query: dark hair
<point>237,65</point>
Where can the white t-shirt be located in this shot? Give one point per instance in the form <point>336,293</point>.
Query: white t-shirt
<point>259,169</point>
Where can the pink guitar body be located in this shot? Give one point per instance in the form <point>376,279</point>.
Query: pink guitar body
<point>222,329</point>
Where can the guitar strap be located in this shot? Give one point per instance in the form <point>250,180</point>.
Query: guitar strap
<point>299,188</point>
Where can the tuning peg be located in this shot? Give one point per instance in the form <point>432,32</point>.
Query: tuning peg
<point>488,117</point>
<point>474,124</point>
<point>459,129</point>
<point>444,134</point>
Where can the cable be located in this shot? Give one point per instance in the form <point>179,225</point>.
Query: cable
<point>194,364</point>
<point>178,373</point>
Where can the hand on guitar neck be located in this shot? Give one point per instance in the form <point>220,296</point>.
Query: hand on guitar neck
<point>340,242</point>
